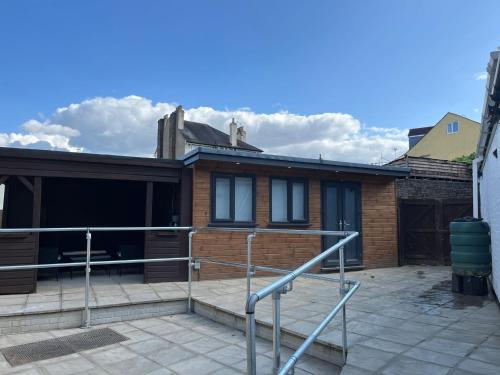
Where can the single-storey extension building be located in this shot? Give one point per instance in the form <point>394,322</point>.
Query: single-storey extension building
<point>242,189</point>
<point>213,186</point>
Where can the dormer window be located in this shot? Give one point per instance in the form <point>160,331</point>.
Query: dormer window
<point>453,127</point>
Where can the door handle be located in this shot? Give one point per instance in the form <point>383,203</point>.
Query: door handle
<point>340,224</point>
<point>346,224</point>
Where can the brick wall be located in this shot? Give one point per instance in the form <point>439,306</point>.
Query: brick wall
<point>433,189</point>
<point>380,236</point>
<point>379,221</point>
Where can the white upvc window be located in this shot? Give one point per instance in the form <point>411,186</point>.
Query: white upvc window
<point>453,127</point>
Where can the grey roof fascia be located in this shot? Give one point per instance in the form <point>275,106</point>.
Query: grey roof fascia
<point>202,153</point>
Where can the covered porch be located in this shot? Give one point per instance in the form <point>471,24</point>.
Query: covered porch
<point>47,189</point>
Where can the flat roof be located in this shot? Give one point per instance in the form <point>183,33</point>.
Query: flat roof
<point>44,163</point>
<point>244,157</point>
<point>27,153</point>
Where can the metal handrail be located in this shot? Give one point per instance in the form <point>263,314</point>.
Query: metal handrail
<point>88,262</point>
<point>92,229</point>
<point>252,232</point>
<point>290,364</point>
<point>283,271</point>
<point>276,288</point>
<point>282,286</point>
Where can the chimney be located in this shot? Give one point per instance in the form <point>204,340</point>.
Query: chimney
<point>241,134</point>
<point>233,137</point>
<point>179,117</point>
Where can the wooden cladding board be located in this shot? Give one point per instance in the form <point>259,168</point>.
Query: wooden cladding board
<point>164,245</point>
<point>434,168</point>
<point>18,249</point>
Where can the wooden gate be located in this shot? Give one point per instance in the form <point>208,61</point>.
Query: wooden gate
<point>424,229</point>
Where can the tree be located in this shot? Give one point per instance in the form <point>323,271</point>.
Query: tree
<point>466,159</point>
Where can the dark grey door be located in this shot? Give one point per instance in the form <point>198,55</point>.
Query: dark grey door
<point>341,208</point>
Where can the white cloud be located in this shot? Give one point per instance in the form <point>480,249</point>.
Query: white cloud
<point>480,76</point>
<point>41,135</point>
<point>128,125</point>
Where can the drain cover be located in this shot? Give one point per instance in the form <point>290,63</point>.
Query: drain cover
<point>36,351</point>
<point>92,339</point>
<point>60,346</point>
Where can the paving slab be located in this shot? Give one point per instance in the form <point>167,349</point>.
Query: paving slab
<point>407,315</point>
<point>409,366</point>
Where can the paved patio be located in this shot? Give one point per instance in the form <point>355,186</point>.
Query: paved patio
<point>402,320</point>
<point>69,293</point>
<point>177,344</point>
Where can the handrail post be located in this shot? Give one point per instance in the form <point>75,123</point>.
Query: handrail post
<point>87,280</point>
<point>251,332</point>
<point>250,238</point>
<point>342,293</point>
<point>190,267</point>
<point>276,331</point>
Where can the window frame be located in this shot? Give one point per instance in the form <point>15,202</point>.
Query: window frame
<point>289,206</point>
<point>232,194</point>
<point>452,123</point>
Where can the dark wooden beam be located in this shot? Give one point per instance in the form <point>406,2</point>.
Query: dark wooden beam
<point>26,183</point>
<point>186,198</point>
<point>186,215</point>
<point>37,202</point>
<point>148,222</point>
<point>37,209</point>
<point>149,204</point>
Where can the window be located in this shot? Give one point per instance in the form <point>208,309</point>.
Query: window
<point>288,200</point>
<point>453,127</point>
<point>233,198</point>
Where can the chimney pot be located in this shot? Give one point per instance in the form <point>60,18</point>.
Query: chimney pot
<point>241,134</point>
<point>179,117</point>
<point>233,137</point>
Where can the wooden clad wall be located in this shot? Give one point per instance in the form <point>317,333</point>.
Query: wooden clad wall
<point>21,248</point>
<point>163,245</point>
<point>18,248</point>
<point>434,168</point>
<point>168,244</point>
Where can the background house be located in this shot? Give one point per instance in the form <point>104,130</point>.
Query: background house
<point>487,167</point>
<point>451,137</point>
<point>176,137</point>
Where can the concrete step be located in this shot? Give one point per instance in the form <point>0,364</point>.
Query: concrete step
<point>290,339</point>
<point>34,321</point>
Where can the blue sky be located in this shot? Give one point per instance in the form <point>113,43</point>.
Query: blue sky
<point>390,64</point>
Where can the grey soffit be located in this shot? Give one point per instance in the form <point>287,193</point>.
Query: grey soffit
<point>37,351</point>
<point>254,158</point>
<point>203,134</point>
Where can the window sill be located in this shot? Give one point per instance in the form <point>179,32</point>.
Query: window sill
<point>288,225</point>
<point>233,225</point>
